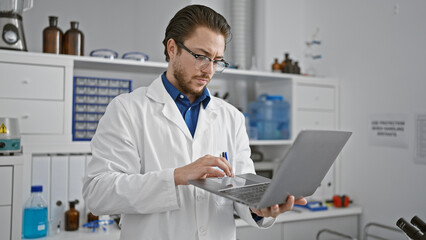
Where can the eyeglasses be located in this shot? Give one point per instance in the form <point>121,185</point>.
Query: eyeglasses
<point>202,62</point>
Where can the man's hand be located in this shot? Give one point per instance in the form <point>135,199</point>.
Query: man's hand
<point>276,210</point>
<point>204,167</point>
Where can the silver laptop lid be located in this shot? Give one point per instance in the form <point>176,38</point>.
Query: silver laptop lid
<point>305,165</point>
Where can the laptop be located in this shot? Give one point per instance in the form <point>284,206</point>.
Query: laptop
<point>299,174</point>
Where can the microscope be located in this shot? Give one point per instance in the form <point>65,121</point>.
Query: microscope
<point>416,230</point>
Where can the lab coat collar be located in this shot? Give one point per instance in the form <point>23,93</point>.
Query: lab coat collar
<point>157,92</point>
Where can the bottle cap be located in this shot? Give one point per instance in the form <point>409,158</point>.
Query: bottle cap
<point>274,97</point>
<point>37,188</point>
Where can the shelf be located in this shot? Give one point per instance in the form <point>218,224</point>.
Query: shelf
<point>150,67</point>
<point>113,233</point>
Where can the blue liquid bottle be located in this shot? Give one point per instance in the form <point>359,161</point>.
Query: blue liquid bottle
<point>35,214</point>
<point>270,114</point>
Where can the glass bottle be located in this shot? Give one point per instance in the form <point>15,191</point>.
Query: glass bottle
<point>288,68</point>
<point>72,217</point>
<point>52,37</point>
<point>35,214</point>
<point>296,67</point>
<point>276,66</point>
<point>284,62</point>
<point>91,217</point>
<point>73,41</point>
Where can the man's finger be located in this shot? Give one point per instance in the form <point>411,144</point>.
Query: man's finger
<point>222,164</point>
<point>214,172</point>
<point>275,211</point>
<point>288,205</point>
<point>300,201</point>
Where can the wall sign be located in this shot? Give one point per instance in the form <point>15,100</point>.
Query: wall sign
<point>389,130</point>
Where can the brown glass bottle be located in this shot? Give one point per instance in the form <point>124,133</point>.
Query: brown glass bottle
<point>276,66</point>
<point>72,218</point>
<point>74,41</point>
<point>287,64</point>
<point>52,37</point>
<point>296,68</point>
<point>91,217</point>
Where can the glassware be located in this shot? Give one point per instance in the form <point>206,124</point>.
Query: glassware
<point>91,217</point>
<point>35,214</point>
<point>138,56</point>
<point>73,41</point>
<point>52,37</point>
<point>276,66</point>
<point>72,217</point>
<point>104,53</point>
<point>111,54</point>
<point>15,6</point>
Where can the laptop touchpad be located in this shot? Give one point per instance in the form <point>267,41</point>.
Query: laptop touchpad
<point>228,182</point>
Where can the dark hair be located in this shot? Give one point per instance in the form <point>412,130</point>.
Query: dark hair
<point>183,24</point>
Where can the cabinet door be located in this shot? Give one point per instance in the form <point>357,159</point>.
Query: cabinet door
<point>6,186</point>
<point>252,233</point>
<point>27,81</point>
<point>5,219</point>
<point>35,117</point>
<point>316,120</point>
<point>315,97</point>
<point>309,229</point>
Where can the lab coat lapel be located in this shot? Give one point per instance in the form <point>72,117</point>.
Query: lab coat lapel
<point>157,92</point>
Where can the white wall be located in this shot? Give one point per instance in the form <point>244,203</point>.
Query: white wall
<point>279,29</point>
<point>123,26</point>
<point>379,58</point>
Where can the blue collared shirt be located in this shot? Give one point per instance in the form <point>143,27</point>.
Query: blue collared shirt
<point>189,111</point>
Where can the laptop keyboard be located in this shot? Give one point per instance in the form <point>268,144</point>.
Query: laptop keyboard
<point>250,194</point>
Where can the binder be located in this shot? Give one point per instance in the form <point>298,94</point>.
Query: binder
<point>77,165</point>
<point>59,192</point>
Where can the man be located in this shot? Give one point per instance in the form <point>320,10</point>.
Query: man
<point>152,141</point>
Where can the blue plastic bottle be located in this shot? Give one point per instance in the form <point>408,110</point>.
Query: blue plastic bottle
<point>270,115</point>
<point>35,215</point>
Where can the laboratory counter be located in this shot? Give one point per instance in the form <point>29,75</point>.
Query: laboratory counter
<point>300,217</point>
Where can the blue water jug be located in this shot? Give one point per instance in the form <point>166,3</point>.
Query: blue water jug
<point>270,115</point>
<point>35,221</point>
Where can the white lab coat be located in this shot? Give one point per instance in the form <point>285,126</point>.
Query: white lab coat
<point>139,142</point>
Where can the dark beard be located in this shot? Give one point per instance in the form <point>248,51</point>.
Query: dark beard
<point>179,75</point>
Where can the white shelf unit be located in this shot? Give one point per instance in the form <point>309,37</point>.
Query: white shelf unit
<point>42,100</point>
<point>11,172</point>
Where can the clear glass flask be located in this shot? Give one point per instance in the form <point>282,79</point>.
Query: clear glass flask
<point>35,215</point>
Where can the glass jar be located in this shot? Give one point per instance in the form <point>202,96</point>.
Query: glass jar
<point>52,37</point>
<point>73,41</point>
<point>35,214</point>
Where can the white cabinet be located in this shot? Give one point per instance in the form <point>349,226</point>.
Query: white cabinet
<point>11,171</point>
<point>309,229</point>
<point>33,89</point>
<point>5,216</point>
<point>6,181</point>
<point>306,225</point>
<point>6,185</point>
